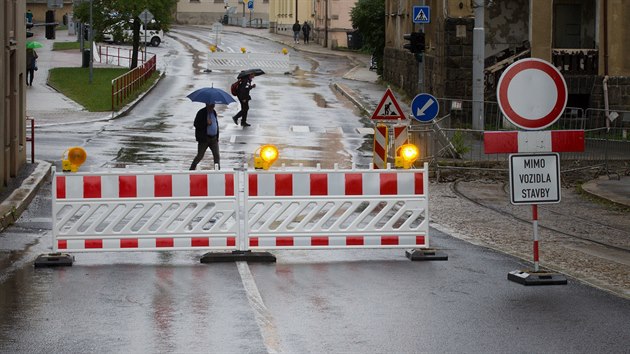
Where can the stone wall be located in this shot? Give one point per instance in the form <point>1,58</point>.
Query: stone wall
<point>618,93</point>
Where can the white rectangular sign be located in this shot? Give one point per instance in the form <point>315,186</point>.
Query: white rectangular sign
<point>534,178</point>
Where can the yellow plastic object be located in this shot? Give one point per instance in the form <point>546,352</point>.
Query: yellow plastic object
<point>285,51</point>
<point>406,156</point>
<point>213,48</point>
<point>268,154</point>
<point>76,157</point>
<point>243,50</point>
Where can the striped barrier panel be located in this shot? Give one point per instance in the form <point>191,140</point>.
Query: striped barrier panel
<point>326,209</point>
<point>269,62</point>
<point>401,137</point>
<point>379,157</point>
<point>134,211</point>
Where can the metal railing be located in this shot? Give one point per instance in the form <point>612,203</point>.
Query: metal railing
<point>119,56</point>
<point>127,85</point>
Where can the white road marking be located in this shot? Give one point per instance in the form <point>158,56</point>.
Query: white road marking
<point>300,129</point>
<point>264,319</point>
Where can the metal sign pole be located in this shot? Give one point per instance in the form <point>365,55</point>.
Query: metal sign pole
<point>535,225</point>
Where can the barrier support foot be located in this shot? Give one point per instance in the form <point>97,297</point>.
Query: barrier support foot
<point>54,260</point>
<point>536,278</point>
<point>426,254</point>
<point>238,256</point>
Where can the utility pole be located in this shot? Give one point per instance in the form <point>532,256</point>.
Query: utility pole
<point>326,26</point>
<point>479,43</point>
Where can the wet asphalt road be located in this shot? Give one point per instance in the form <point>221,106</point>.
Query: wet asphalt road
<point>309,301</point>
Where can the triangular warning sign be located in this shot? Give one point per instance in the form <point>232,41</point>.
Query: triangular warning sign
<point>388,108</point>
<point>421,16</point>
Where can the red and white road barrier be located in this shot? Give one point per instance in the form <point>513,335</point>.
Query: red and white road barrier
<point>379,158</point>
<point>507,142</point>
<point>129,211</point>
<point>337,209</point>
<point>190,210</point>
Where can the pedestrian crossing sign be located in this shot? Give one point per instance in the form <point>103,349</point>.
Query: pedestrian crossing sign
<point>388,108</point>
<point>421,14</point>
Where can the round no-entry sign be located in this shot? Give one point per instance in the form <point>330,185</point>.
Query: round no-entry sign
<point>532,94</point>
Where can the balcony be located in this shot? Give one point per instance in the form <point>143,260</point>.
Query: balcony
<point>575,61</point>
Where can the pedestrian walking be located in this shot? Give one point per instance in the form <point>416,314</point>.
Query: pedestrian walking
<point>245,85</point>
<point>31,65</point>
<point>207,135</point>
<point>306,30</point>
<point>296,32</point>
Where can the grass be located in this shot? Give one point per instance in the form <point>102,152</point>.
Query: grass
<point>66,45</point>
<point>95,97</point>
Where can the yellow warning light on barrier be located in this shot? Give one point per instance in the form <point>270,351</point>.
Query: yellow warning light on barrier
<point>243,50</point>
<point>76,157</point>
<point>285,51</point>
<point>267,155</point>
<point>213,48</point>
<point>406,156</point>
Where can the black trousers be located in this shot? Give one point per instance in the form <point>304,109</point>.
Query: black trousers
<point>213,144</point>
<point>243,112</point>
<point>30,73</point>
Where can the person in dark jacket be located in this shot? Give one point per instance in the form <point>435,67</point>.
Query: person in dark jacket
<point>207,135</point>
<point>296,32</point>
<point>245,85</point>
<point>306,31</point>
<point>31,65</point>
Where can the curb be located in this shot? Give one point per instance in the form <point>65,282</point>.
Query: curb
<point>18,201</point>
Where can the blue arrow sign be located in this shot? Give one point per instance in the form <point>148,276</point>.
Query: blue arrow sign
<point>421,14</point>
<point>250,4</point>
<point>424,107</point>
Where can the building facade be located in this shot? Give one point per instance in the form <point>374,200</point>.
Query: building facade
<point>12,90</point>
<point>585,39</point>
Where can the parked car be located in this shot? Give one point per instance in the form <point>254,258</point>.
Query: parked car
<point>121,32</point>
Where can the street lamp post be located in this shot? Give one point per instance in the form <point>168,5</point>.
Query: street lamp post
<point>91,44</point>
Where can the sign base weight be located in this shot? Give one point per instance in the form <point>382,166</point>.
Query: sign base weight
<point>238,256</point>
<point>426,254</point>
<point>536,278</point>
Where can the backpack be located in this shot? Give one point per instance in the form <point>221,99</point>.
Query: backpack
<point>234,88</point>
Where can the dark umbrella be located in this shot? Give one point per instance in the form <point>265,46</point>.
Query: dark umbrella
<point>256,72</point>
<point>211,95</point>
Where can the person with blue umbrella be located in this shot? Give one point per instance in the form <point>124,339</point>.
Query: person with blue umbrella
<point>207,123</point>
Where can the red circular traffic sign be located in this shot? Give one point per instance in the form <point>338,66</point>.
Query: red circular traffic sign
<point>532,94</point>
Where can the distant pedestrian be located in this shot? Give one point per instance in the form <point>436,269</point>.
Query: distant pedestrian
<point>306,30</point>
<point>296,32</point>
<point>245,85</point>
<point>31,65</point>
<point>29,16</point>
<point>207,135</point>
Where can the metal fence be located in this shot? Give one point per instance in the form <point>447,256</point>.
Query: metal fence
<point>449,139</point>
<point>128,84</point>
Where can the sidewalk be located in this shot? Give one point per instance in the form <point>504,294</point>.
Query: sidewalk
<point>50,107</point>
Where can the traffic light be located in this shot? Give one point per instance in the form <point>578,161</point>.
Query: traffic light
<point>416,42</point>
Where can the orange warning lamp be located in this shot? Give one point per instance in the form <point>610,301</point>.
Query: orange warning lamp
<point>76,157</point>
<point>267,155</point>
<point>285,51</point>
<point>213,48</point>
<point>406,156</point>
<point>243,50</point>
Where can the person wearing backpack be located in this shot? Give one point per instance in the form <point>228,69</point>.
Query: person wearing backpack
<point>207,135</point>
<point>296,32</point>
<point>245,85</point>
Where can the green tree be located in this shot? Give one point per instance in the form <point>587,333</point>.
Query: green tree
<point>107,12</point>
<point>368,16</point>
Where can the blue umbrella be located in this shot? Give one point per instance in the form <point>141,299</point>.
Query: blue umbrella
<point>211,95</point>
